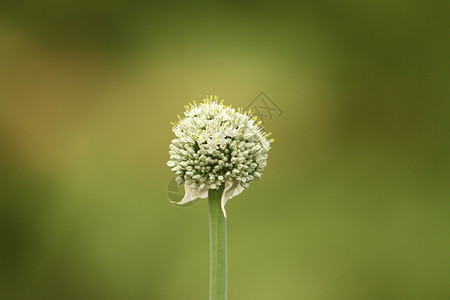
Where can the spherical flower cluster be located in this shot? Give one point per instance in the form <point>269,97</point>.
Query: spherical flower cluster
<point>217,145</point>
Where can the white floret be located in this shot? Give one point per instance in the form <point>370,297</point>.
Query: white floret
<point>217,145</point>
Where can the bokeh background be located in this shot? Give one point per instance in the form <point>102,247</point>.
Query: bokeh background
<point>354,202</point>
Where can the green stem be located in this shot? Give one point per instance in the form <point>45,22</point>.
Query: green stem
<point>218,247</point>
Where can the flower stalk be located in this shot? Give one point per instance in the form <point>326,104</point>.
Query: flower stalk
<point>218,247</point>
<point>218,151</point>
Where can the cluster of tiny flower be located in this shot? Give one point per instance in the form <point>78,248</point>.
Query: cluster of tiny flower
<point>217,145</point>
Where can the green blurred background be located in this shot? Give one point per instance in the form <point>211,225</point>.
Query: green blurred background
<point>354,202</point>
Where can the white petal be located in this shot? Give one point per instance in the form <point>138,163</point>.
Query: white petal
<point>191,194</point>
<point>232,188</point>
